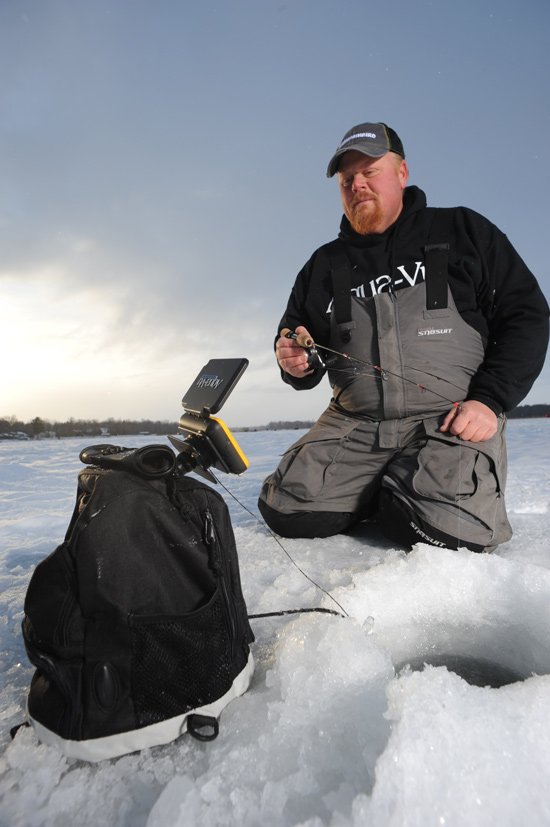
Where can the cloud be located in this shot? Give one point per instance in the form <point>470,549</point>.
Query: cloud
<point>163,177</point>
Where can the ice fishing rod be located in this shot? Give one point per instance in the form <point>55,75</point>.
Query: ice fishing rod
<point>307,342</point>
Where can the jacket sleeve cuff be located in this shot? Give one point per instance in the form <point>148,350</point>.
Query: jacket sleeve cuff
<point>496,408</point>
<point>305,384</point>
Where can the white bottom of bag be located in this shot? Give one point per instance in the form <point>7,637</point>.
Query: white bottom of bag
<point>111,746</point>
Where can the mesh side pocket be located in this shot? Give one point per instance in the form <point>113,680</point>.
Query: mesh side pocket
<point>179,663</point>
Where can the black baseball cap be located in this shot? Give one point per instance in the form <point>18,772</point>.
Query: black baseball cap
<point>372,139</point>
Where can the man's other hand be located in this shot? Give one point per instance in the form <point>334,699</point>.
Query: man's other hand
<point>472,421</point>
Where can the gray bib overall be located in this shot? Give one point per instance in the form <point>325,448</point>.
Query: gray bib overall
<point>382,427</point>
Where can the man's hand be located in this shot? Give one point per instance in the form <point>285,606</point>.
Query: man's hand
<point>291,357</point>
<point>472,421</point>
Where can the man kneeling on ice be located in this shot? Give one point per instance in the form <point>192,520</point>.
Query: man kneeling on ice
<point>430,327</point>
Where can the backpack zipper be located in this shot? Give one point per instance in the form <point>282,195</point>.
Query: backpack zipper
<point>57,673</point>
<point>221,571</point>
<point>70,601</point>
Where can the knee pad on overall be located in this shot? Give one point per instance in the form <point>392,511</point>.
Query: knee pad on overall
<point>306,524</point>
<point>400,524</point>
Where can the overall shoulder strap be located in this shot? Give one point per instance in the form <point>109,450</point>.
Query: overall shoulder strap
<point>340,271</point>
<point>437,259</point>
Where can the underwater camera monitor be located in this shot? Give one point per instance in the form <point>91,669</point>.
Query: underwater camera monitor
<point>206,441</point>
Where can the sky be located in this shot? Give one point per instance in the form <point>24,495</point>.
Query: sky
<point>163,177</point>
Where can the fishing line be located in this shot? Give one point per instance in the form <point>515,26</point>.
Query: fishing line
<point>435,376</point>
<point>317,586</point>
<point>308,343</point>
<point>459,512</point>
<point>459,496</point>
<point>384,372</point>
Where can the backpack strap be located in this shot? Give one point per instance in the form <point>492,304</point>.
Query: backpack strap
<point>340,271</point>
<point>436,259</point>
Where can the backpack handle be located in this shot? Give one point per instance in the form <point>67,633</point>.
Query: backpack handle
<point>197,723</point>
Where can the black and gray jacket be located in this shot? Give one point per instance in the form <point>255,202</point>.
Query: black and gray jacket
<point>489,344</point>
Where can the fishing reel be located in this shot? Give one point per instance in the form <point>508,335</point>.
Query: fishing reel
<point>313,356</point>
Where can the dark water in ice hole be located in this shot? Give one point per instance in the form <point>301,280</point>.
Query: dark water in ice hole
<point>476,671</point>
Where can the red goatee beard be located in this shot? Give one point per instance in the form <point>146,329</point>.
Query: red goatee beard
<point>365,219</point>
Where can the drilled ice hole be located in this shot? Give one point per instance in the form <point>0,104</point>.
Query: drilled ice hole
<point>483,617</point>
<point>495,650</point>
<point>475,671</point>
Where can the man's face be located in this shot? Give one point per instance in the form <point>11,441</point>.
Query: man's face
<point>372,190</point>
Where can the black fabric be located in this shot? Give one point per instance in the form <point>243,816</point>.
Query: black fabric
<point>437,261</point>
<point>340,268</point>
<point>138,615</point>
<point>492,288</point>
<point>401,525</point>
<point>305,524</point>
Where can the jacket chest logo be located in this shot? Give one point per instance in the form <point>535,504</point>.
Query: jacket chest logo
<point>386,283</point>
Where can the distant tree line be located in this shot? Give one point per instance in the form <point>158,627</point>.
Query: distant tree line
<point>84,427</point>
<point>285,425</point>
<point>10,426</point>
<point>529,411</point>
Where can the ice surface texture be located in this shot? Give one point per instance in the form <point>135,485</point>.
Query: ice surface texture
<point>336,728</point>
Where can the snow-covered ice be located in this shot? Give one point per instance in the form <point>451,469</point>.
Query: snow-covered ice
<point>337,729</point>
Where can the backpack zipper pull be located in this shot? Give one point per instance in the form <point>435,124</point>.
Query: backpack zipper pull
<point>209,536</point>
<point>210,541</point>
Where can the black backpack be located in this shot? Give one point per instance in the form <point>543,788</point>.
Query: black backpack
<point>136,623</point>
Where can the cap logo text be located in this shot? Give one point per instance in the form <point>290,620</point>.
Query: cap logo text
<point>358,135</point>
